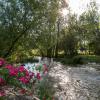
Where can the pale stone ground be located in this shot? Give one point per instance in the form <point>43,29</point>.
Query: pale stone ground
<point>76,83</point>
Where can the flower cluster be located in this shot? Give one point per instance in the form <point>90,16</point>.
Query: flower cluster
<point>39,70</point>
<point>2,81</point>
<point>19,76</point>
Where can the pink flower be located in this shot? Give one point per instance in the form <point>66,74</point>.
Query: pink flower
<point>45,72</point>
<point>2,81</point>
<point>45,69</point>
<point>2,93</point>
<point>21,68</point>
<point>2,62</point>
<point>31,74</point>
<point>23,91</point>
<point>38,76</point>
<point>13,72</point>
<point>9,66</point>
<point>26,73</point>
<point>24,80</point>
<point>27,77</point>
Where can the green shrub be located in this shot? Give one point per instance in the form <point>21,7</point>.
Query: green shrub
<point>78,60</point>
<point>29,60</point>
<point>72,60</point>
<point>45,89</point>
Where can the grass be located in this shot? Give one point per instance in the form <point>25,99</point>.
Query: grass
<point>91,58</point>
<point>79,59</point>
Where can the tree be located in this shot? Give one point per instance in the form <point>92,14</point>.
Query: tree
<point>89,26</point>
<point>23,22</point>
<point>70,36</point>
<point>16,18</point>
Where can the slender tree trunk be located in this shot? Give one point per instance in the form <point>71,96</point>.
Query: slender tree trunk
<point>49,53</point>
<point>56,51</point>
<point>10,50</point>
<point>58,28</point>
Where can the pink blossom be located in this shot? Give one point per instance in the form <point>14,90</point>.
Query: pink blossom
<point>23,91</point>
<point>13,72</point>
<point>28,77</point>
<point>2,81</point>
<point>2,93</point>
<point>24,80</point>
<point>21,68</point>
<point>31,74</point>
<point>45,72</point>
<point>26,73</point>
<point>9,66</point>
<point>38,76</point>
<point>45,69</point>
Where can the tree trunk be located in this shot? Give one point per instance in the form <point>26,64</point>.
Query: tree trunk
<point>56,51</point>
<point>58,28</point>
<point>9,52</point>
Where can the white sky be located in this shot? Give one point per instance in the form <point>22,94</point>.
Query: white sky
<point>78,6</point>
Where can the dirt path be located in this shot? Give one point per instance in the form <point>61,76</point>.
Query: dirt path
<point>76,83</point>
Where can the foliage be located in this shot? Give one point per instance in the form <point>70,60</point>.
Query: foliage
<point>70,45</point>
<point>70,40</point>
<point>45,91</point>
<point>19,78</point>
<point>24,24</point>
<point>91,58</point>
<point>78,60</point>
<point>75,60</point>
<point>89,28</point>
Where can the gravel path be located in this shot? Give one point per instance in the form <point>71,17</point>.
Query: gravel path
<point>76,83</point>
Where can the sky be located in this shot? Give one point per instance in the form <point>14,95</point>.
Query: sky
<point>78,6</point>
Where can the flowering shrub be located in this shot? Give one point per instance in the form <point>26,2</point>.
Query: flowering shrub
<point>20,78</point>
<point>2,81</point>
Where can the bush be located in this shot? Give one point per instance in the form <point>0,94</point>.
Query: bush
<point>91,58</point>
<point>29,60</point>
<point>19,78</point>
<point>72,60</point>
<point>65,61</point>
<point>78,60</point>
<point>45,89</point>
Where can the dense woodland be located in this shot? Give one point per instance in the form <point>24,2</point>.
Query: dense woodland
<point>31,28</point>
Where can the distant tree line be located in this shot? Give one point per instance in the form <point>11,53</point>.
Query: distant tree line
<point>28,25</point>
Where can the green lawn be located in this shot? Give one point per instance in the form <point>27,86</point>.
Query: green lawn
<point>80,59</point>
<point>91,58</point>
